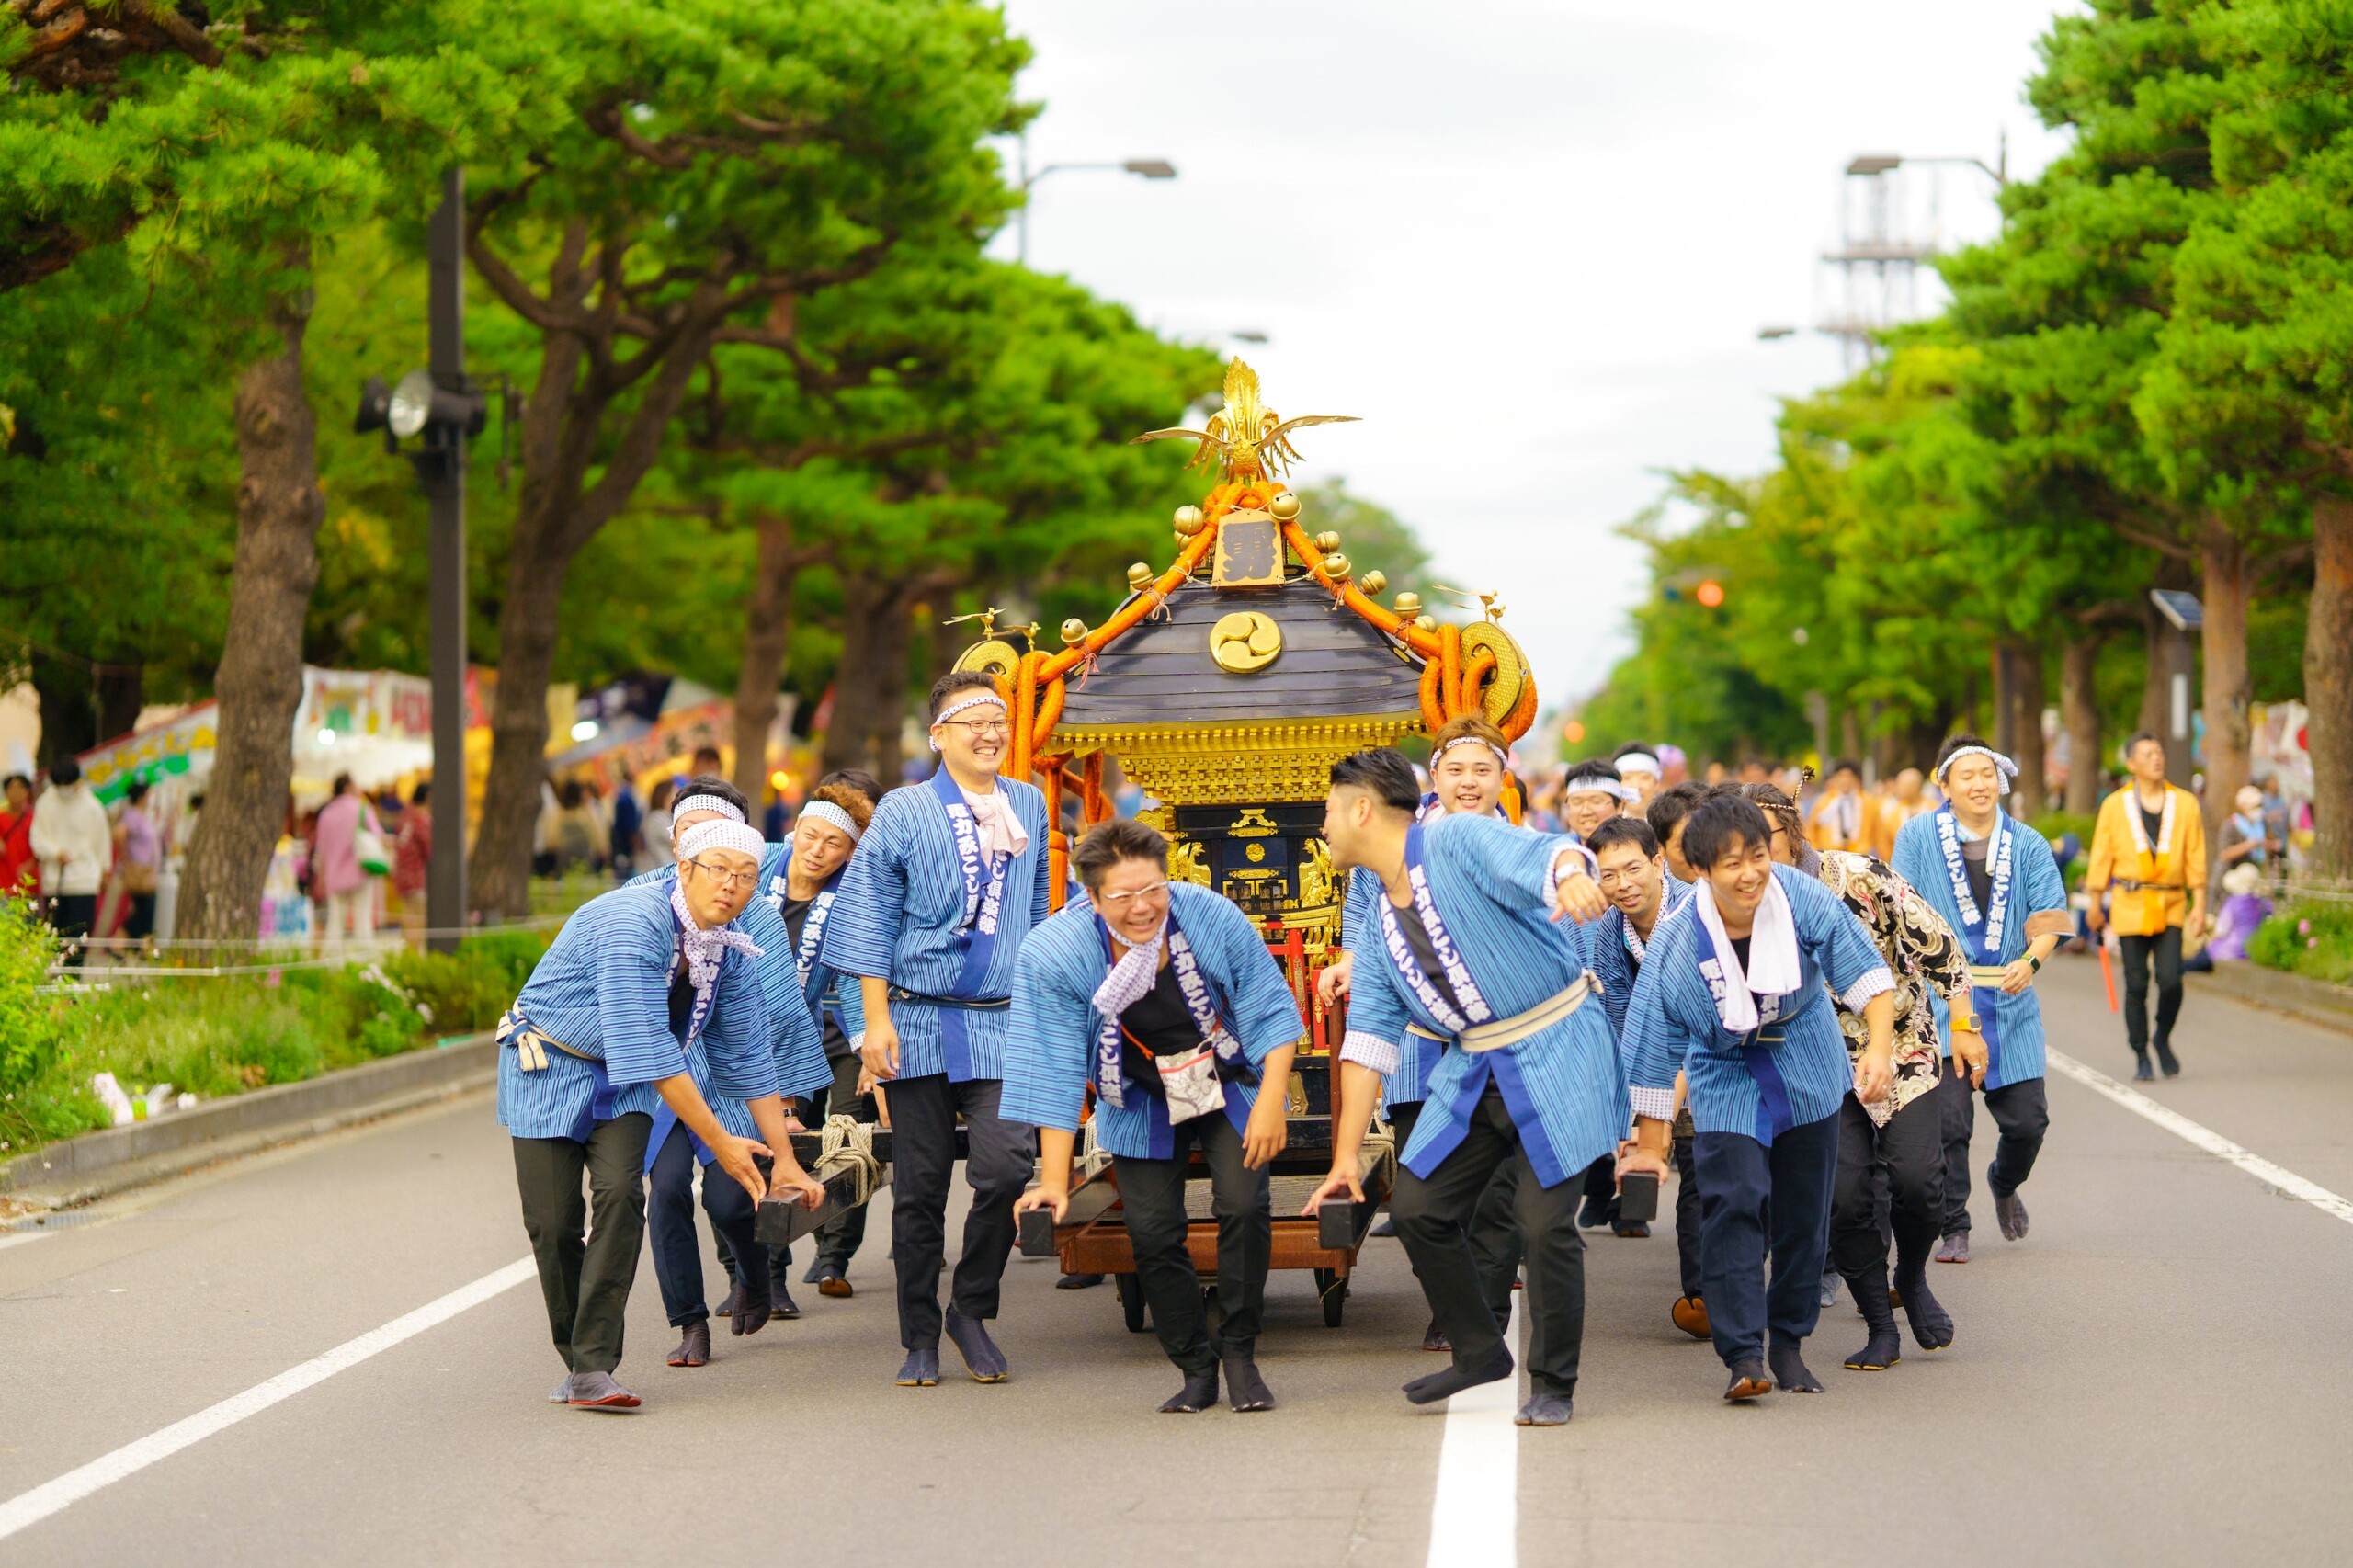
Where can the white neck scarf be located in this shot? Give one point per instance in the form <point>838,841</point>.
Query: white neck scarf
<point>1773,966</point>
<point>1000,827</point>
<point>1135,973</point>
<point>705,947</point>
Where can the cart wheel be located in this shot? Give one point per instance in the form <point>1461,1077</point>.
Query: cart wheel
<point>1334,1292</point>
<point>1131,1301</point>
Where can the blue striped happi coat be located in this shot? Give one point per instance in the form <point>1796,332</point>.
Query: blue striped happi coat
<point>1050,1058</point>
<point>604,990</point>
<point>1740,1083</point>
<point>1613,964</point>
<point>799,1041</point>
<point>2013,1024</point>
<point>1492,883</point>
<point>826,991</point>
<point>901,911</point>
<point>1360,934</point>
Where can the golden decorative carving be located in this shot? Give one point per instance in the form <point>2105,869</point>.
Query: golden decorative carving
<point>1249,551</point>
<point>1188,862</point>
<point>1252,824</point>
<point>1512,675</point>
<point>1245,438</point>
<point>996,656</point>
<point>1242,762</point>
<point>1316,885</point>
<point>1244,641</point>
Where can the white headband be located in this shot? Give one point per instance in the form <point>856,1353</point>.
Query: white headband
<point>978,700</point>
<point>1640,762</point>
<point>1598,784</point>
<point>1501,760</point>
<point>707,803</point>
<point>720,833</point>
<point>831,815</point>
<point>2008,769</point>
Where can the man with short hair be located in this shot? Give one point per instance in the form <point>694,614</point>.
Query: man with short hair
<point>1528,1074</point>
<point>1633,879</point>
<point>1163,998</point>
<point>1908,800</point>
<point>646,1004</point>
<point>1666,816</point>
<point>1732,995</point>
<point>1591,795</point>
<point>1639,767</point>
<point>1842,819</point>
<point>2148,853</point>
<point>946,883</point>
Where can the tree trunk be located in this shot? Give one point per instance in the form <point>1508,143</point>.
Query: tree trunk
<point>767,626</point>
<point>2157,693</point>
<point>2328,683</point>
<point>499,877</point>
<point>2079,710</point>
<point>2027,702</point>
<point>847,732</point>
<point>2228,684</point>
<point>2005,699</point>
<point>260,682</point>
<point>893,635</point>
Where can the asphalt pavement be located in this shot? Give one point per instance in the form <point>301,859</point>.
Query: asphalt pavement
<point>2153,1377</point>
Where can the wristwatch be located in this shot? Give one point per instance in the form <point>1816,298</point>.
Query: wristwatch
<point>2035,961</point>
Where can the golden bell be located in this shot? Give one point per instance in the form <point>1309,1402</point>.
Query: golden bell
<point>1336,566</point>
<point>1374,582</point>
<point>1426,623</point>
<point>1327,541</point>
<point>1073,631</point>
<point>1284,507</point>
<point>1188,520</point>
<point>1409,605</point>
<point>1140,577</point>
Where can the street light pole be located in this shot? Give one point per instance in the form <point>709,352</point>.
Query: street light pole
<point>1144,168</point>
<point>442,470</point>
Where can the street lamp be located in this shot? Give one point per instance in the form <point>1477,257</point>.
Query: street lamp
<point>1143,168</point>
<point>445,408</point>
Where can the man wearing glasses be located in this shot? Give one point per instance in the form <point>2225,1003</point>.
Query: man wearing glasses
<point>645,1009</point>
<point>1166,1000</point>
<point>947,881</point>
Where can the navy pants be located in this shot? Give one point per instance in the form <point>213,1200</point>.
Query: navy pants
<point>1758,1200</point>
<point>677,1261</point>
<point>2021,1115</point>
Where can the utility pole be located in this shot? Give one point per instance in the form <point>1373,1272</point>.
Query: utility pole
<point>441,468</point>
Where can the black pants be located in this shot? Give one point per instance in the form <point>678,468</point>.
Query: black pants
<point>999,1157</point>
<point>677,1261</point>
<point>585,1281</point>
<point>1495,1247</point>
<point>139,920</point>
<point>1432,1217</point>
<point>2164,951</point>
<point>1601,1186</point>
<point>1687,1213</point>
<point>72,915</point>
<point>1910,1149</point>
<point>1758,1200</point>
<point>2021,1115</point>
<point>1152,1199</point>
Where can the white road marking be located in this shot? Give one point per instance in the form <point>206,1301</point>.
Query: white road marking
<point>20,1237</point>
<point>2276,1176</point>
<point>28,1508</point>
<point>1474,1522</point>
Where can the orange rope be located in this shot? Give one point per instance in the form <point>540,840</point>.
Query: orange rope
<point>1450,659</point>
<point>1057,841</point>
<point>1138,606</point>
<point>1433,710</point>
<point>1523,715</point>
<point>1414,637</point>
<point>1482,663</point>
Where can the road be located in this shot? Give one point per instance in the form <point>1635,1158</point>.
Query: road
<point>2153,1377</point>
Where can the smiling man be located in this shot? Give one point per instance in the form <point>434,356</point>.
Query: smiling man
<point>947,880</point>
<point>1165,998</point>
<point>1732,995</point>
<point>644,1009</point>
<point>1527,1075</point>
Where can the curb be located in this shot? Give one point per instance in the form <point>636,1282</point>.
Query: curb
<point>78,1170</point>
<point>2307,1000</point>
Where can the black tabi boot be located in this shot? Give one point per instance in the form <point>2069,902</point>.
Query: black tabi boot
<point>2167,1063</point>
<point>1244,1388</point>
<point>1197,1394</point>
<point>2140,1072</point>
<point>1789,1369</point>
<point>1931,1324</point>
<point>1454,1380</point>
<point>1748,1380</point>
<point>1886,1346</point>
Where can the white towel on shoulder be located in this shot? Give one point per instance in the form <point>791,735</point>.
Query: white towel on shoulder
<point>1773,967</point>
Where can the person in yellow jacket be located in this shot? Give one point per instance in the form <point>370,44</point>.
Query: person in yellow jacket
<point>1843,816</point>
<point>2148,853</point>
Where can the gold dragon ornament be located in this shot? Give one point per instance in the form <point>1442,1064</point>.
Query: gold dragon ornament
<point>1248,438</point>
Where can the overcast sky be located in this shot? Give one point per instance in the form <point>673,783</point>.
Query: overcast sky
<point>1530,244</point>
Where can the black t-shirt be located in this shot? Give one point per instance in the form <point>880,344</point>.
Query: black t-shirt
<point>1973,866</point>
<point>1740,952</point>
<point>1417,937</point>
<point>2152,823</point>
<point>796,918</point>
<point>1159,1023</point>
<point>682,1001</point>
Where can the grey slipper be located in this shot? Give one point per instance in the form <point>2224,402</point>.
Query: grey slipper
<point>597,1390</point>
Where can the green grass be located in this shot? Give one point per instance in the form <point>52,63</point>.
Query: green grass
<point>2310,938</point>
<point>221,1037</point>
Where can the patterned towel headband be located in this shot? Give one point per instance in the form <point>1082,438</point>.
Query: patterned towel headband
<point>831,815</point>
<point>2008,769</point>
<point>727,809</point>
<point>721,835</point>
<point>978,700</point>
<point>1501,759</point>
